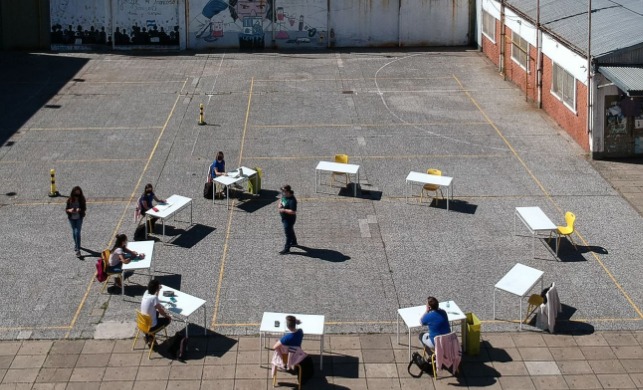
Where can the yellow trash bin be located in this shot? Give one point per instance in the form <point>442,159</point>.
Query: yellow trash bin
<point>473,334</point>
<point>254,184</point>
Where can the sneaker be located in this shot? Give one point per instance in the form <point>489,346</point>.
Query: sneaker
<point>78,254</point>
<point>284,252</point>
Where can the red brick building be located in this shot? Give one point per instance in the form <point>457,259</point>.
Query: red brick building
<point>543,46</point>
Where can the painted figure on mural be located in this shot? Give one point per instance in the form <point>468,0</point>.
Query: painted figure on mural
<point>250,14</point>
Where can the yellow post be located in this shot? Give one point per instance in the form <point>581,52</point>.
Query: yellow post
<point>53,192</point>
<point>201,119</point>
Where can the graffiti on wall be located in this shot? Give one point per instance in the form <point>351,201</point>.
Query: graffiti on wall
<point>79,22</point>
<point>248,24</point>
<point>147,22</point>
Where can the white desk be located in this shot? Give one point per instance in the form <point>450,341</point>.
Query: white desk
<point>184,305</point>
<point>348,169</point>
<point>239,175</point>
<point>518,281</point>
<point>310,324</point>
<point>425,178</point>
<point>145,247</point>
<point>412,315</point>
<point>172,205</point>
<point>536,221</point>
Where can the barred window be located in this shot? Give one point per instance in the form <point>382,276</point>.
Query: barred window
<point>489,25</point>
<point>563,86</point>
<point>519,50</point>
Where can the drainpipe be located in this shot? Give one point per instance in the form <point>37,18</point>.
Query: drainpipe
<point>328,27</point>
<point>539,60</point>
<point>501,60</point>
<point>111,11</point>
<point>399,16</point>
<point>589,74</point>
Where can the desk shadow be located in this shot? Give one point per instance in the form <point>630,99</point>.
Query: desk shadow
<point>322,254</point>
<point>566,251</point>
<point>200,346</point>
<point>254,203</point>
<point>456,205</point>
<point>344,366</point>
<point>193,235</point>
<point>363,192</point>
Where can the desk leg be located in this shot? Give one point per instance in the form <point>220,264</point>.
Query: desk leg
<point>397,319</point>
<point>533,244</point>
<point>355,187</point>
<point>260,346</point>
<point>463,329</point>
<point>520,318</point>
<point>448,194</point>
<point>205,321</point>
<point>494,303</point>
<point>191,212</point>
<point>321,353</point>
<point>187,326</point>
<point>163,221</point>
<point>316,179</point>
<point>409,329</point>
<point>145,222</point>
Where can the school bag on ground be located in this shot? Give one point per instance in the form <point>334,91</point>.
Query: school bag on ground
<point>101,276</point>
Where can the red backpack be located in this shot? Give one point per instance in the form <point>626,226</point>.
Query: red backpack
<point>101,276</point>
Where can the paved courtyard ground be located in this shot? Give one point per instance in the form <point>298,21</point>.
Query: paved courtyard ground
<point>112,123</point>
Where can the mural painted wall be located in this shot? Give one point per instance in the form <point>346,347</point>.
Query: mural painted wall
<point>147,22</point>
<point>255,24</point>
<point>83,23</point>
<point>79,23</point>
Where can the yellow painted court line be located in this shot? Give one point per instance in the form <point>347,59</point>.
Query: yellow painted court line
<point>34,328</point>
<point>95,128</point>
<point>353,125</point>
<point>224,255</point>
<point>89,161</point>
<point>125,209</point>
<point>551,200</point>
<point>392,157</point>
<point>129,82</point>
<point>63,202</point>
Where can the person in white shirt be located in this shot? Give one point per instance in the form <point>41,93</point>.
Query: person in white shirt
<point>151,306</point>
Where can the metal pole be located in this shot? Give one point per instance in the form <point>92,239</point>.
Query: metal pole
<point>589,69</point>
<point>539,63</point>
<point>501,63</point>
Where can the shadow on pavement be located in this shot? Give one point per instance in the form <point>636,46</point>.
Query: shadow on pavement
<point>265,198</point>
<point>322,254</point>
<point>193,235</point>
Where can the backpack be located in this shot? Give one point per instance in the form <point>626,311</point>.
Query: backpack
<point>101,276</point>
<point>423,365</point>
<point>208,190</point>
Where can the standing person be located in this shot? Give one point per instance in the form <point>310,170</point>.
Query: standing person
<point>120,255</point>
<point>294,338</point>
<point>436,320</point>
<point>75,209</point>
<point>151,306</point>
<point>288,210</point>
<point>145,202</point>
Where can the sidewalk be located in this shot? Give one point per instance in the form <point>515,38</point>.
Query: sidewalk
<point>522,361</point>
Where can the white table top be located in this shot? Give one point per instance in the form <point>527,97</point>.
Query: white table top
<point>519,280</point>
<point>310,323</point>
<point>228,180</point>
<point>535,218</point>
<point>172,204</point>
<point>146,247</point>
<point>411,315</point>
<point>247,172</point>
<point>351,169</point>
<point>185,304</point>
<point>425,178</point>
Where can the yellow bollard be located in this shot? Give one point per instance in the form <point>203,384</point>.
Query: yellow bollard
<point>201,119</point>
<point>53,192</point>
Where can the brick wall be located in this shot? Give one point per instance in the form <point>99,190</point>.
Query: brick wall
<point>574,122</point>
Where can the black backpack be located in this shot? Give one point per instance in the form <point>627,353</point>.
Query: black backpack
<point>307,369</point>
<point>421,363</point>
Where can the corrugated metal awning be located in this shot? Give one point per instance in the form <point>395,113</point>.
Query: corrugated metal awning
<point>629,80</point>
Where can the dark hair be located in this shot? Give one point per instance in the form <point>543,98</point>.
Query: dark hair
<point>73,193</point>
<point>291,322</point>
<point>80,198</point>
<point>433,303</point>
<point>120,239</point>
<point>153,286</point>
<point>219,154</point>
<point>287,188</point>
<point>148,186</point>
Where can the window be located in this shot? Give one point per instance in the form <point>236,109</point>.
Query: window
<point>563,86</point>
<point>519,50</point>
<point>489,25</point>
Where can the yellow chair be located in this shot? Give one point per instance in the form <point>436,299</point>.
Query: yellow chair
<point>284,357</point>
<point>105,257</point>
<point>432,187</point>
<point>342,159</point>
<point>143,324</point>
<point>534,302</point>
<point>566,231</point>
<point>433,353</point>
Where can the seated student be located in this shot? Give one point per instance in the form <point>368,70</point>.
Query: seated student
<point>436,320</point>
<point>294,337</point>
<point>145,203</point>
<point>151,306</point>
<point>120,255</point>
<point>217,168</point>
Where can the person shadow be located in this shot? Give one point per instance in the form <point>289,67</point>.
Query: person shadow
<point>330,255</point>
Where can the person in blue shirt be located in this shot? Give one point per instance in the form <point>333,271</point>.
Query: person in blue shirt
<point>294,337</point>
<point>436,320</point>
<point>217,168</point>
<point>145,203</point>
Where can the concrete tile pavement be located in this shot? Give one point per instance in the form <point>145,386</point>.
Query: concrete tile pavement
<point>626,176</point>
<point>524,360</point>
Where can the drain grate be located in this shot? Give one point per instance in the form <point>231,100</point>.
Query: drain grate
<point>348,92</point>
